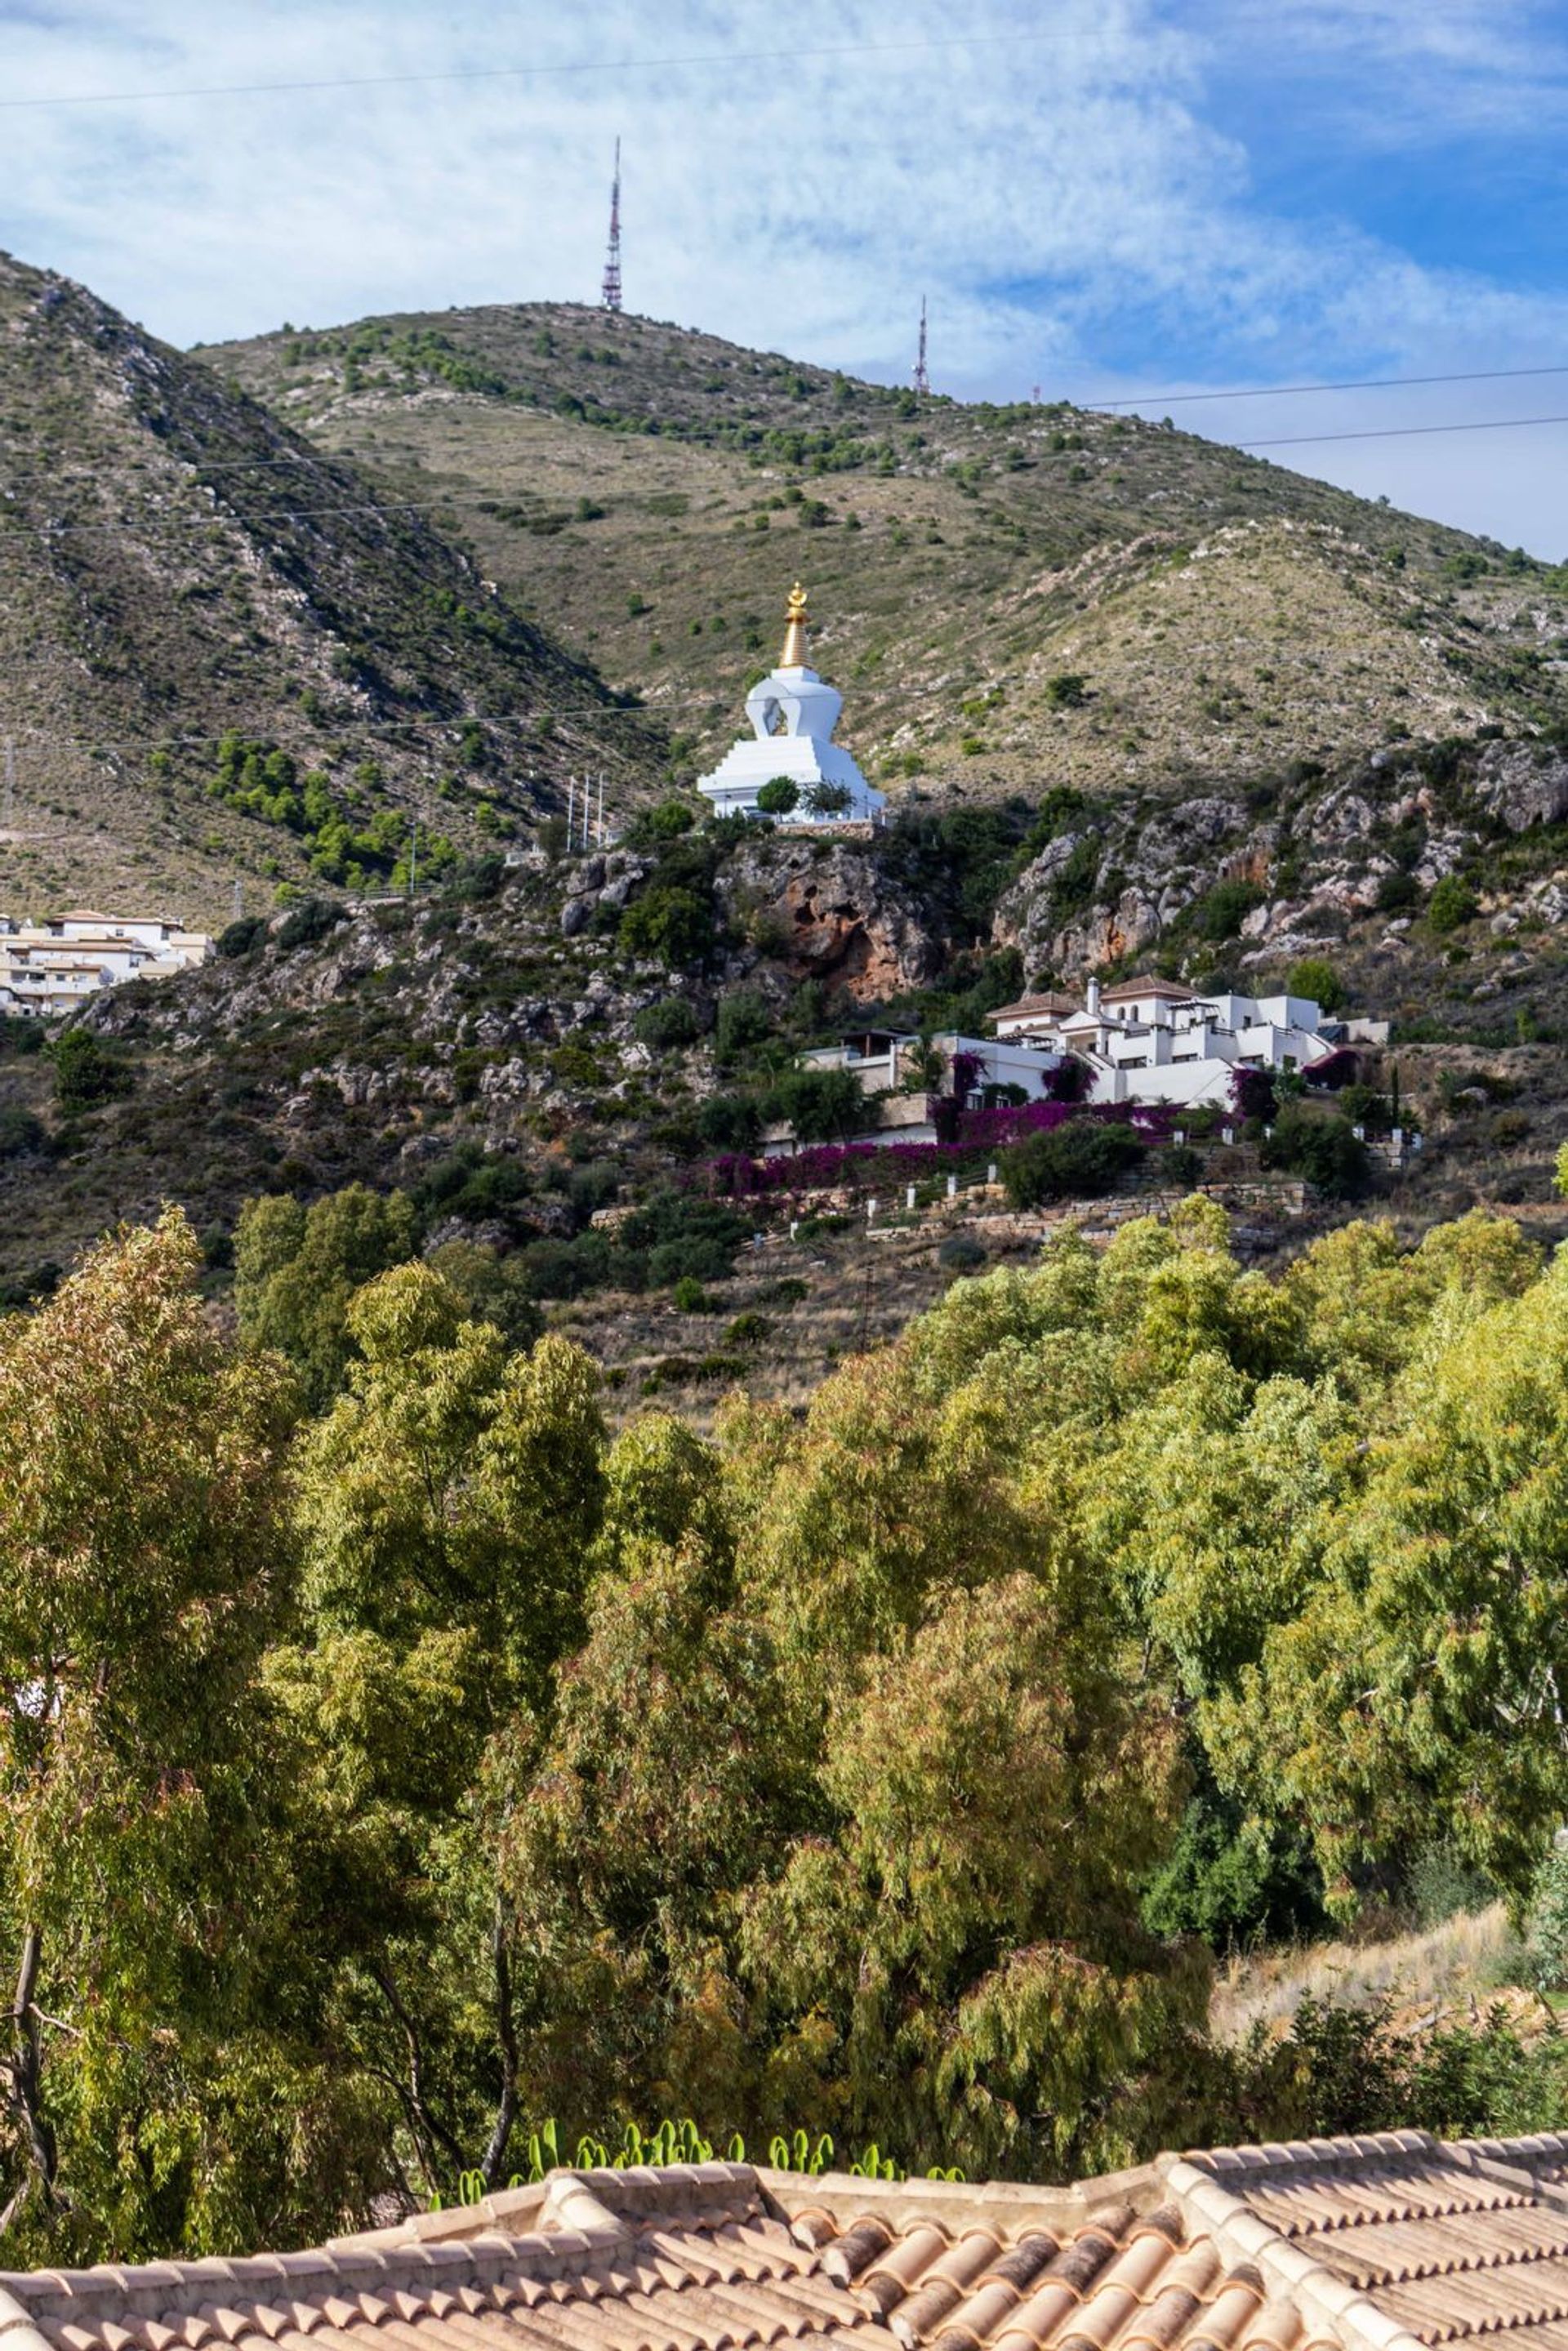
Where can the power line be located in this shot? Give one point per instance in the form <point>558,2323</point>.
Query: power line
<point>348,459</point>
<point>1285,391</point>
<point>725,57</point>
<point>326,458</point>
<point>384,509</point>
<point>381,509</point>
<point>1400,432</point>
<point>392,728</point>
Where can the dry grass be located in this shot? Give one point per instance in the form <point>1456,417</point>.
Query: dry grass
<point>1456,1968</point>
<point>1229,616</point>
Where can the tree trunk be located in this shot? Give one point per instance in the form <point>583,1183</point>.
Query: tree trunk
<point>26,2071</point>
<point>495,2158</point>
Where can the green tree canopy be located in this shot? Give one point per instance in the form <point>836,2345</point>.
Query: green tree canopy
<point>168,2069</point>
<point>296,1269</point>
<point>1315,978</point>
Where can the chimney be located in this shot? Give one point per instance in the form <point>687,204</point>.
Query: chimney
<point>1092,999</point>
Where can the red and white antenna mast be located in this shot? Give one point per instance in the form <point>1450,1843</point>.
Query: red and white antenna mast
<point>921,380</point>
<point>609,294</point>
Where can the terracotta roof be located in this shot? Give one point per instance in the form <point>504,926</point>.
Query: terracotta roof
<point>1036,1006</point>
<point>1370,2245</point>
<point>1165,990</point>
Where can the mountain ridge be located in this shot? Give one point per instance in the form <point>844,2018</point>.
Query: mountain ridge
<point>177,565</point>
<point>1008,597</point>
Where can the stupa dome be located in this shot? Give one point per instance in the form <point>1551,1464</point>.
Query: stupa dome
<point>793,713</point>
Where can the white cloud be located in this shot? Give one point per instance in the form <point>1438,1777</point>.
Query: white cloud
<point>1044,190</point>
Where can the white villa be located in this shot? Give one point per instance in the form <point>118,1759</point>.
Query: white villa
<point>889,1064</point>
<point>1144,1041</point>
<point>793,713</point>
<point>49,968</point>
<point>1152,1040</point>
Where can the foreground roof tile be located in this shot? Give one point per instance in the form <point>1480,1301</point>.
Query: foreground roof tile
<point>1385,2242</point>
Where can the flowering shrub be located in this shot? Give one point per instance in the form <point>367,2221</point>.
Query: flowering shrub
<point>980,1133</point>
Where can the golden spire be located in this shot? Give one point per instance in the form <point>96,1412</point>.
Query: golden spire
<point>794,654</point>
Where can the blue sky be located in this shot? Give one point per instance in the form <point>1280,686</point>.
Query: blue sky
<point>1115,195</point>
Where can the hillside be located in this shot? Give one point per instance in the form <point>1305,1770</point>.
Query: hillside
<point>176,565</point>
<point>558,1095</point>
<point>652,491</point>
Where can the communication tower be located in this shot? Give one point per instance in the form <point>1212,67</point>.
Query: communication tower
<point>921,380</point>
<point>610,291</point>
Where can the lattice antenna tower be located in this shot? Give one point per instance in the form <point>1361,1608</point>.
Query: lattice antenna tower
<point>922,378</point>
<point>610,291</point>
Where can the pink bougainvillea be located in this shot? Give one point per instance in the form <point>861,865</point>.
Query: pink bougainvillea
<point>980,1133</point>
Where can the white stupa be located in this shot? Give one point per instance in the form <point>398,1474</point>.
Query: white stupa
<point>792,714</point>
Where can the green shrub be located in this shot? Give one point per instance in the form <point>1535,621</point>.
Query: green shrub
<point>668,821</point>
<point>1221,913</point>
<point>745,1019</point>
<point>239,938</point>
<point>674,924</point>
<point>729,1122</point>
<point>474,1183</point>
<point>787,1291</point>
<point>85,1072</point>
<point>574,1063</point>
<point>697,1256</point>
<point>21,1034</point>
<point>1079,1161</point>
<point>691,1297</point>
<point>1397,892</point>
<point>1441,1884</point>
<point>684,1234</point>
<point>1315,978</point>
<point>1067,690</point>
<point>1073,887</point>
<point>312,920</point>
<point>748,1329</point>
<point>1234,1880</point>
<point>1451,904</point>
<point>476,880</point>
<point>1546,1930</point>
<point>565,1268</point>
<point>22,1136</point>
<point>1319,1144</point>
<point>1180,1164</point>
<point>777,795</point>
<point>666,1025</point>
<point>822,1105</point>
<point>962,1253</point>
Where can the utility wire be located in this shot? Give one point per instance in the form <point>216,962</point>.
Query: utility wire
<point>384,509</point>
<point>1285,391</point>
<point>347,456</point>
<point>1401,431</point>
<point>392,728</point>
<point>727,58</point>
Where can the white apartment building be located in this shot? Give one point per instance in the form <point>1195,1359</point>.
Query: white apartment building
<point>49,968</point>
<point>1152,1040</point>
